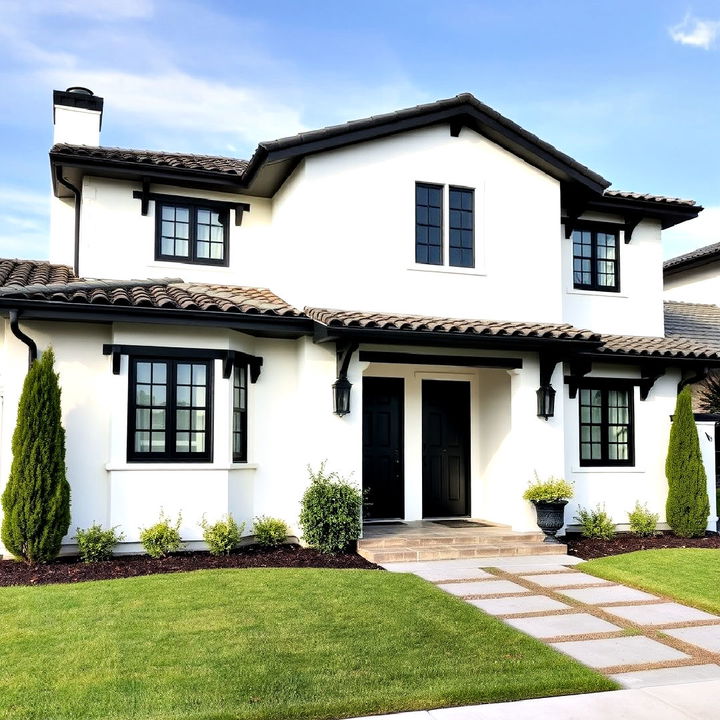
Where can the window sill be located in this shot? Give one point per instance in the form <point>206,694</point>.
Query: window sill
<point>596,293</point>
<point>179,466</point>
<point>608,469</point>
<point>447,270</point>
<point>188,264</point>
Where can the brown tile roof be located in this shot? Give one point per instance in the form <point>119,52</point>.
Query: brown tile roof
<point>708,253</point>
<point>420,323</point>
<point>668,347</point>
<point>33,280</point>
<point>157,158</point>
<point>646,197</point>
<point>693,320</point>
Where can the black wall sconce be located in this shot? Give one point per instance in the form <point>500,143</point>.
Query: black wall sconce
<point>342,387</point>
<point>546,401</point>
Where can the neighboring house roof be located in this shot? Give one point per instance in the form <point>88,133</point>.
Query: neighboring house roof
<point>667,347</point>
<point>693,320</point>
<point>646,197</point>
<point>694,258</point>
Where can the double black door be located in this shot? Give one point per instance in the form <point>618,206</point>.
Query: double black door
<point>446,442</point>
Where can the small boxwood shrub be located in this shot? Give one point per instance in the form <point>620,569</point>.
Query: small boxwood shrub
<point>330,514</point>
<point>596,523</point>
<point>97,544</point>
<point>270,532</point>
<point>551,490</point>
<point>642,522</point>
<point>223,536</point>
<point>162,537</point>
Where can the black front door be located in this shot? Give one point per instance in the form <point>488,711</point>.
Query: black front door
<point>383,475</point>
<point>446,458</point>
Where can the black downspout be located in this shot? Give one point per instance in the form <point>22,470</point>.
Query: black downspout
<point>20,335</point>
<point>77,193</point>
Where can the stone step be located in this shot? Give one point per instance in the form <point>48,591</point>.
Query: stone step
<point>456,552</point>
<point>410,541</point>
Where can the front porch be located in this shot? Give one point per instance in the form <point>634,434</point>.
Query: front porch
<point>448,540</point>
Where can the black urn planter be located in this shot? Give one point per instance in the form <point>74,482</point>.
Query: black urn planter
<point>550,517</point>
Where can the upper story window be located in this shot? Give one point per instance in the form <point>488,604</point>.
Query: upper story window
<point>191,233</point>
<point>170,410</point>
<point>606,426</point>
<point>596,259</point>
<point>430,229</point>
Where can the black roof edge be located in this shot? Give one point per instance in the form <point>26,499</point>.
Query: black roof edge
<point>619,358</point>
<point>690,263</point>
<point>667,213</point>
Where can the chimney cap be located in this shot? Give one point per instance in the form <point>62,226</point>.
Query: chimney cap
<point>78,97</point>
<point>78,90</point>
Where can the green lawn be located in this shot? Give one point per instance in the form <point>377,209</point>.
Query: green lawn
<point>689,575</point>
<point>261,644</point>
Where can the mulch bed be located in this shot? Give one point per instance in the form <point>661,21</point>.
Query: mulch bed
<point>71,569</point>
<point>588,549</point>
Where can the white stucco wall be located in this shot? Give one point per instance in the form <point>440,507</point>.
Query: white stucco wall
<point>697,285</point>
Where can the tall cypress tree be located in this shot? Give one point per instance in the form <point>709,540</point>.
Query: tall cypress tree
<point>687,507</point>
<point>36,500</point>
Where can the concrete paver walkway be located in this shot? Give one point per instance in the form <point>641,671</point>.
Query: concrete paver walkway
<point>665,653</point>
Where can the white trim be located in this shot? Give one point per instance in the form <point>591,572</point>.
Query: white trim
<point>597,293</point>
<point>178,466</point>
<point>609,470</point>
<point>450,269</point>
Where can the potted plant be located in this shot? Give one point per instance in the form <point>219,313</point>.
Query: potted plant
<point>549,498</point>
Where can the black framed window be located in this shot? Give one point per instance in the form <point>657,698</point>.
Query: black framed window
<point>606,426</point>
<point>462,227</point>
<point>428,224</point>
<point>239,428</point>
<point>170,410</point>
<point>596,259</point>
<point>191,233</point>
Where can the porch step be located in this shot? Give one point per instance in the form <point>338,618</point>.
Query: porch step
<point>431,541</point>
<point>407,553</point>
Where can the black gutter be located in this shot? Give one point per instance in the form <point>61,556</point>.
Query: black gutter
<point>78,195</point>
<point>20,335</point>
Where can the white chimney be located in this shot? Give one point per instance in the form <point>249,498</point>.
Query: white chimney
<point>77,116</point>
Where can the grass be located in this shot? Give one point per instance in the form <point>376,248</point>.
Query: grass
<point>263,643</point>
<point>689,575</point>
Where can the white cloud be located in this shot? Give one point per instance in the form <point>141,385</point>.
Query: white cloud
<point>703,230</point>
<point>24,219</point>
<point>696,32</point>
<point>105,10</point>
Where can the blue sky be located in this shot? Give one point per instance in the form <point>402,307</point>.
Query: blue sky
<point>629,88</point>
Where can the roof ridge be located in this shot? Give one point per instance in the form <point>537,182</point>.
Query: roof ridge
<point>117,148</point>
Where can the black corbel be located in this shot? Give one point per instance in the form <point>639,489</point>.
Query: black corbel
<point>344,353</point>
<point>240,208</point>
<point>697,376</point>
<point>116,353</point>
<point>631,222</point>
<point>145,197</point>
<point>579,367</point>
<point>548,363</point>
<point>455,127</point>
<point>234,357</point>
<point>648,375</point>
<point>574,209</point>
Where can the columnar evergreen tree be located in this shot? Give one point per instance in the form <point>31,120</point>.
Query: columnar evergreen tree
<point>36,501</point>
<point>687,507</point>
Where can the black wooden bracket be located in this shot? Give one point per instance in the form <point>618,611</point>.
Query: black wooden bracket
<point>574,209</point>
<point>455,127</point>
<point>631,222</point>
<point>548,363</point>
<point>240,208</point>
<point>234,358</point>
<point>344,353</point>
<point>579,367</point>
<point>145,197</point>
<point>116,352</point>
<point>698,376</point>
<point>648,375</point>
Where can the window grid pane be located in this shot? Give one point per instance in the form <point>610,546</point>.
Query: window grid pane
<point>239,429</point>
<point>428,224</point>
<point>595,260</point>
<point>192,234</point>
<point>150,406</point>
<point>191,398</point>
<point>462,227</point>
<point>606,432</point>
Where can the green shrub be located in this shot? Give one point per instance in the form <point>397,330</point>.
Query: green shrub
<point>596,523</point>
<point>223,536</point>
<point>688,507</point>
<point>162,537</point>
<point>330,514</point>
<point>97,544</point>
<point>642,521</point>
<point>36,500</point>
<point>270,532</point>
<point>551,490</point>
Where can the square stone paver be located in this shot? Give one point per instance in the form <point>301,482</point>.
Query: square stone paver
<point>668,676</point>
<point>522,569</point>
<point>706,637</point>
<point>607,594</point>
<point>487,587</point>
<point>660,614</point>
<point>439,574</point>
<point>556,625</point>
<point>518,605</point>
<point>633,650</point>
<point>565,579</point>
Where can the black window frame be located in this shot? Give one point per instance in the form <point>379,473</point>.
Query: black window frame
<point>595,228</point>
<point>464,212</point>
<point>169,454</point>
<point>240,412</point>
<point>426,225</point>
<point>193,207</point>
<point>605,388</point>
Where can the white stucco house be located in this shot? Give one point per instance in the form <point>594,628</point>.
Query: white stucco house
<point>434,300</point>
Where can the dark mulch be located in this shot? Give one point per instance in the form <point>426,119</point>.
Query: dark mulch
<point>588,549</point>
<point>71,569</point>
